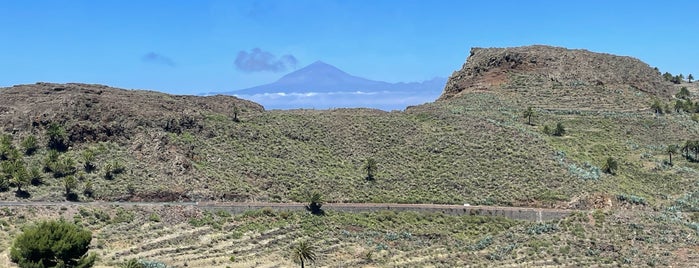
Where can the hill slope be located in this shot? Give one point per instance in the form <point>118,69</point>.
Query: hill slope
<point>472,146</point>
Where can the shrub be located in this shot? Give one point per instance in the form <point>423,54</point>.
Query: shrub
<point>559,130</point>
<point>113,168</point>
<point>483,243</point>
<point>154,217</point>
<point>53,244</point>
<point>631,199</point>
<point>30,145</point>
<point>683,94</point>
<point>542,228</point>
<point>89,190</point>
<point>610,166</point>
<point>547,130</point>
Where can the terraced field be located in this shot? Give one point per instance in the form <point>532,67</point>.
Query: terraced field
<point>184,236</point>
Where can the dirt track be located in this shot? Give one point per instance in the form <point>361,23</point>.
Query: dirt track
<point>517,213</point>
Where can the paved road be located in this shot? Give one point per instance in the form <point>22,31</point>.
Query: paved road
<point>518,213</point>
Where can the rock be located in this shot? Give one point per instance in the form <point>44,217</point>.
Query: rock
<point>554,69</point>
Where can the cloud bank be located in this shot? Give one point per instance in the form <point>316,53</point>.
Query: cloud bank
<point>383,100</point>
<point>158,58</point>
<point>258,60</point>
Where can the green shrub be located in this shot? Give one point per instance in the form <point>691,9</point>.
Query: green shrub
<point>542,228</point>
<point>89,190</point>
<point>483,243</point>
<point>113,168</point>
<point>30,145</point>
<point>559,130</point>
<point>631,199</point>
<point>154,217</point>
<point>610,166</point>
<point>123,216</point>
<point>52,244</point>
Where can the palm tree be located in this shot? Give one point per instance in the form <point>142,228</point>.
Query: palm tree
<point>315,203</point>
<point>671,149</point>
<point>20,179</point>
<point>304,252</point>
<point>370,167</point>
<point>236,110</point>
<point>58,139</point>
<point>528,114</point>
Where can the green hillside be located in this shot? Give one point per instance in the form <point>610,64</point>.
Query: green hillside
<point>474,145</point>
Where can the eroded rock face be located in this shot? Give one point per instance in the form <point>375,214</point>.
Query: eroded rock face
<point>549,67</point>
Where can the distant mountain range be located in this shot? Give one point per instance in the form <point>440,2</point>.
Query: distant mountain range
<point>321,85</point>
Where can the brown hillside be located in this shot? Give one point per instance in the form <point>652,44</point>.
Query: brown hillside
<point>102,113</point>
<point>544,75</point>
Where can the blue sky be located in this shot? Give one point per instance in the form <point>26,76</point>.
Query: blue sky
<point>190,47</point>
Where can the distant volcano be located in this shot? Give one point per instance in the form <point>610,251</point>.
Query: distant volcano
<point>320,77</point>
<point>321,85</point>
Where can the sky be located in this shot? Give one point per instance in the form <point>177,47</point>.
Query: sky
<point>191,47</point>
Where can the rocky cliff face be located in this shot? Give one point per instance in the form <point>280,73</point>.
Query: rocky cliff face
<point>553,68</point>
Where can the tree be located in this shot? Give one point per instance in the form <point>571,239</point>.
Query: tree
<point>610,166</point>
<point>667,76</point>
<point>690,78</point>
<point>89,190</point>
<point>315,203</point>
<point>560,130</point>
<point>370,168</point>
<point>30,145</point>
<point>304,252</point>
<point>6,147</point>
<point>676,79</point>
<point>657,107</point>
<point>528,113</point>
<point>679,106</point>
<point>58,139</point>
<point>671,149</point>
<point>69,183</point>
<point>20,178</point>
<point>53,244</point>
<point>236,110</point>
<point>683,93</point>
<point>88,158</point>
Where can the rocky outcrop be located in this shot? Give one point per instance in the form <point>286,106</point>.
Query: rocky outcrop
<point>550,67</point>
